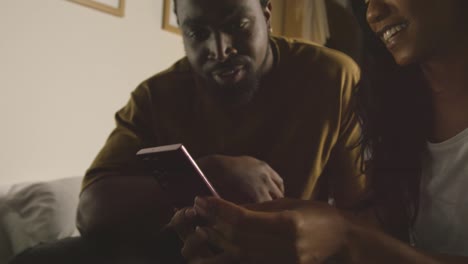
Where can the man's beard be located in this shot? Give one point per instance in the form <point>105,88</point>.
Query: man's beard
<point>235,95</point>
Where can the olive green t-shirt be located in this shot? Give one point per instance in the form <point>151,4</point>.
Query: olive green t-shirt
<point>300,122</point>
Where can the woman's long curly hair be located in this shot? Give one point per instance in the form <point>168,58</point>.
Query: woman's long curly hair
<point>395,109</point>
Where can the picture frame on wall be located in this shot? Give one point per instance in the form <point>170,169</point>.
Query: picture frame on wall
<point>169,17</point>
<point>114,7</point>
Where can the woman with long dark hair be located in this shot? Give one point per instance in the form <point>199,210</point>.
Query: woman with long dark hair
<point>415,112</point>
<point>413,103</point>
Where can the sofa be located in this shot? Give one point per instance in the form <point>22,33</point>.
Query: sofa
<point>36,212</point>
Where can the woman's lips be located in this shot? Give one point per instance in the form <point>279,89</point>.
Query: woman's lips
<point>389,33</point>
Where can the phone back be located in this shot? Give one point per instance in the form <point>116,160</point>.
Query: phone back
<point>177,174</point>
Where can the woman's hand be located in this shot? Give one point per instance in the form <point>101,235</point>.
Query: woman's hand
<point>280,231</point>
<point>240,179</point>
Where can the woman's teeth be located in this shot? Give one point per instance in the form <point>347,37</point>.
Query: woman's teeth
<point>389,33</point>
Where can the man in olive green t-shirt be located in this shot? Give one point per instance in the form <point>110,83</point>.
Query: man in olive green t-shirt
<point>299,121</point>
<point>238,97</point>
<point>265,118</point>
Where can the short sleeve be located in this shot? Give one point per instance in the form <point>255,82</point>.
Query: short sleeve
<point>348,183</point>
<point>133,131</point>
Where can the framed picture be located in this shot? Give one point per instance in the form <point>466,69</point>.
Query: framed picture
<point>169,17</point>
<point>114,7</point>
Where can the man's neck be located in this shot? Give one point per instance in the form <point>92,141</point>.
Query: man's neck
<point>269,61</point>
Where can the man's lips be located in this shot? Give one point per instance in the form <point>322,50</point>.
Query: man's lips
<point>229,74</point>
<point>227,71</point>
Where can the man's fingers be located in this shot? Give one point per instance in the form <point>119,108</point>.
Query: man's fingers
<point>277,180</point>
<point>275,177</point>
<point>275,192</point>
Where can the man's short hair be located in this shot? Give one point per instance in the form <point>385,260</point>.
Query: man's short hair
<point>264,3</point>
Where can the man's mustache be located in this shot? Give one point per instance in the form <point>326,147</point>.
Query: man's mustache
<point>228,64</point>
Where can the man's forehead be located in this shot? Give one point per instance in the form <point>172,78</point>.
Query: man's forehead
<point>205,11</point>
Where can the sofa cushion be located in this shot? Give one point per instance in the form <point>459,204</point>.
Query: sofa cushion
<point>5,247</point>
<point>40,212</point>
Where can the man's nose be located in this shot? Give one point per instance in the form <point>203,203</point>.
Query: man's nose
<point>221,47</point>
<point>377,10</point>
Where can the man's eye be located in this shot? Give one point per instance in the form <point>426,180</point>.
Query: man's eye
<point>197,34</point>
<point>243,24</point>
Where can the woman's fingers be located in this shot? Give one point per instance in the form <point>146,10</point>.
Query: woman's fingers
<point>232,220</point>
<point>277,205</point>
<point>197,246</point>
<point>215,209</point>
<point>217,240</point>
<point>267,246</point>
<point>183,222</point>
<point>205,243</point>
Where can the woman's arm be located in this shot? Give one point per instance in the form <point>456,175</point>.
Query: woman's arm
<point>366,245</point>
<point>296,231</point>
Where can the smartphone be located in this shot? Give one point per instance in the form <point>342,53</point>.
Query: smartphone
<point>177,173</point>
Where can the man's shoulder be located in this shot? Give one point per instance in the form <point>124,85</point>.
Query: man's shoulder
<point>177,72</point>
<point>174,86</point>
<point>314,57</point>
<point>176,77</point>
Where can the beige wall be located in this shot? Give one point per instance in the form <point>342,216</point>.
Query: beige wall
<point>64,70</point>
<point>278,16</point>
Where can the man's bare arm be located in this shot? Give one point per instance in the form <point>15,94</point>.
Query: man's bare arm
<point>135,207</point>
<point>124,207</point>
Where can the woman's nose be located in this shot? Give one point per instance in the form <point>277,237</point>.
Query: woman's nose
<point>376,10</point>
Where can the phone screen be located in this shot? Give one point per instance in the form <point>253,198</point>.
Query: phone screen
<point>177,174</point>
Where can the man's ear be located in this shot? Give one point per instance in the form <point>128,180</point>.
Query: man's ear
<point>267,13</point>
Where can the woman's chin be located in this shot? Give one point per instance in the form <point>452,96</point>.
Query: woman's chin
<point>403,60</point>
<point>405,57</point>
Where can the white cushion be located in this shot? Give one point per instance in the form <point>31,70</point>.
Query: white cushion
<point>40,212</point>
<point>5,247</point>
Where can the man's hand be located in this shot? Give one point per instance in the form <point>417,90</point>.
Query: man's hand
<point>242,179</point>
